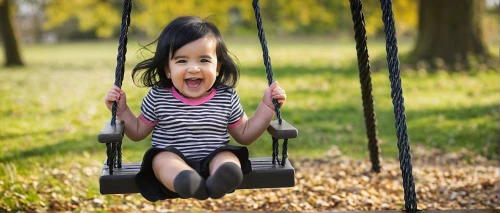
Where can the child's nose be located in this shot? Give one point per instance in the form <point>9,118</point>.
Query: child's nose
<point>194,68</point>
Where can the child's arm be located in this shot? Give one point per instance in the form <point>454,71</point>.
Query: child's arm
<point>252,128</point>
<point>134,129</point>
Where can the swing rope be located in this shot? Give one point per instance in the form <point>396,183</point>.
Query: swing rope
<point>122,52</point>
<point>269,71</point>
<point>399,108</point>
<point>366,82</point>
<point>114,150</point>
<point>265,53</point>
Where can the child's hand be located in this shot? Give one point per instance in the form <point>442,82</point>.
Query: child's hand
<point>274,91</point>
<point>116,94</point>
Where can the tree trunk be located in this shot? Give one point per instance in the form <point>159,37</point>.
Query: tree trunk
<point>450,34</point>
<point>8,30</point>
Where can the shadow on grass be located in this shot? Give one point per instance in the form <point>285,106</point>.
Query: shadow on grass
<point>9,136</point>
<point>450,130</point>
<point>473,128</point>
<point>298,71</point>
<point>348,70</point>
<point>64,147</point>
<point>68,148</point>
<point>447,129</point>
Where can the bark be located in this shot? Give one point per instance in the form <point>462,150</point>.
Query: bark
<point>9,35</point>
<point>450,34</point>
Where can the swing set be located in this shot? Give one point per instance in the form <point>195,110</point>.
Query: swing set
<point>267,172</point>
<point>273,172</point>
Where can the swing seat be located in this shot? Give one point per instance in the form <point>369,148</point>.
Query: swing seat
<point>264,173</point>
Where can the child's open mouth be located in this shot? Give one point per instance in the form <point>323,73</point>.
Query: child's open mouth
<point>193,82</point>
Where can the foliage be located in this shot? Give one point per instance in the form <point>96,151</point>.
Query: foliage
<point>280,16</point>
<point>150,16</point>
<point>405,14</point>
<point>102,16</point>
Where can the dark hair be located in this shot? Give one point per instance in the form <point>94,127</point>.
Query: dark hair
<point>178,33</point>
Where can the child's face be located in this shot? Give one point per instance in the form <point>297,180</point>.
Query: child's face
<point>194,67</point>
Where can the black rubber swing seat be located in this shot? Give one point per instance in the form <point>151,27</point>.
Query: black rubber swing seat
<point>264,173</point>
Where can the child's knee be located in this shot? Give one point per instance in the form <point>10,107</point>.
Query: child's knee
<point>165,157</point>
<point>166,165</point>
<point>221,158</point>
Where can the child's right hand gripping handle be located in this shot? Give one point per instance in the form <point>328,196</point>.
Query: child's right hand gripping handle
<point>109,133</point>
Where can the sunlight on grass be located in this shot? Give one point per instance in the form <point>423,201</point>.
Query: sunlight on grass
<point>63,98</point>
<point>52,109</point>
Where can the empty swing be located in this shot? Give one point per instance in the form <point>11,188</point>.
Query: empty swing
<point>267,172</point>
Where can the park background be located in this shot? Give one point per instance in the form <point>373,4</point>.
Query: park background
<point>60,59</point>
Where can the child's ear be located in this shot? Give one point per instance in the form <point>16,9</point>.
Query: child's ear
<point>167,72</point>
<point>218,68</point>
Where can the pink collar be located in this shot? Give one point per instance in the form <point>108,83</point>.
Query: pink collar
<point>192,102</point>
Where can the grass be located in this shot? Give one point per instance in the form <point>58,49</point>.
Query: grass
<point>52,110</point>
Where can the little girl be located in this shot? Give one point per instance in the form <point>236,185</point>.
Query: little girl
<point>190,108</point>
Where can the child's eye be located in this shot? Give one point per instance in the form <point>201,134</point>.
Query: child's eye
<point>181,61</point>
<point>204,60</point>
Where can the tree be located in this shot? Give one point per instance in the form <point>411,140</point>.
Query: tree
<point>280,16</point>
<point>9,35</point>
<point>450,35</point>
<point>149,16</point>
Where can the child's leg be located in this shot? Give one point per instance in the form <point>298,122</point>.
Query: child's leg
<point>178,177</point>
<point>225,174</point>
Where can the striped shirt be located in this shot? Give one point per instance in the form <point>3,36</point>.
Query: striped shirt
<point>194,127</point>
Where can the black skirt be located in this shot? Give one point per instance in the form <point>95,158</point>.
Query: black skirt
<point>152,189</point>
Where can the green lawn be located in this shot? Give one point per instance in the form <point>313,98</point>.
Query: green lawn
<point>52,110</point>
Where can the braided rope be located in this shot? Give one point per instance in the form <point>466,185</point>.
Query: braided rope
<point>284,153</point>
<point>112,158</point>
<point>108,153</point>
<point>119,155</point>
<point>265,53</point>
<point>269,71</point>
<point>114,151</point>
<point>276,150</point>
<point>122,51</point>
<point>366,82</point>
<point>399,109</point>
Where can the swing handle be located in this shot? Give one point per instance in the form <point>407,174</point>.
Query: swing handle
<point>282,131</point>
